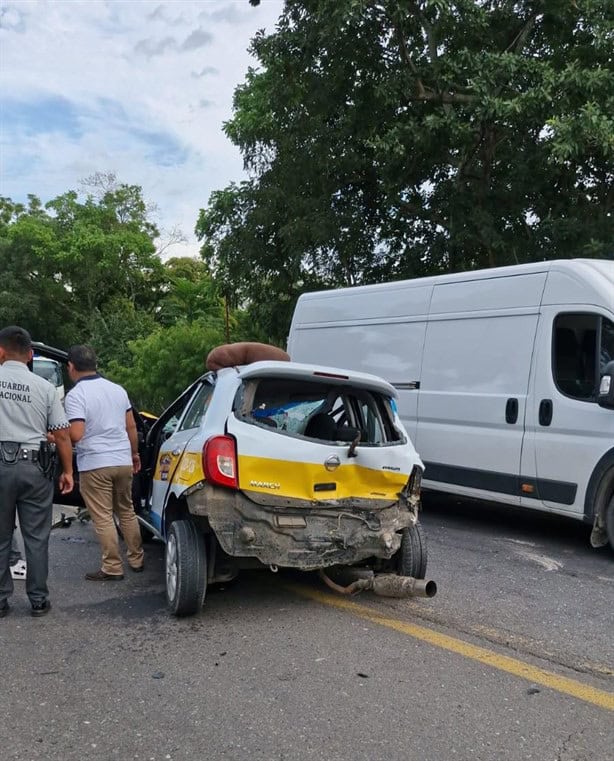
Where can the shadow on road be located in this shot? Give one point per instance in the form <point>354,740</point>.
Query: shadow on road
<point>521,524</point>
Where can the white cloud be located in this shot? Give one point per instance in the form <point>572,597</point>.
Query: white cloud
<point>138,88</point>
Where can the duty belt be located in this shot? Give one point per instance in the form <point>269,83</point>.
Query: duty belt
<point>12,451</point>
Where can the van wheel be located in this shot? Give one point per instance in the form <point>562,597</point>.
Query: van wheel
<point>186,568</point>
<point>411,557</point>
<point>609,522</point>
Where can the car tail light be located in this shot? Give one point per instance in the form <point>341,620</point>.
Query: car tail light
<point>415,481</point>
<point>220,461</point>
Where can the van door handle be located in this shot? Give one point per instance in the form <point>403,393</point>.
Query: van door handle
<point>511,411</point>
<point>545,412</point>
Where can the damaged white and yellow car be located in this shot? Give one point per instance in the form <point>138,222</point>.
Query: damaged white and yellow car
<point>284,465</point>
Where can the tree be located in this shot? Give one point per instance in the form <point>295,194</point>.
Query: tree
<point>106,249</point>
<point>190,294</point>
<point>245,247</point>
<point>111,330</point>
<point>405,137</point>
<point>72,267</point>
<point>165,362</point>
<point>32,292</point>
<point>102,186</point>
<point>87,271</point>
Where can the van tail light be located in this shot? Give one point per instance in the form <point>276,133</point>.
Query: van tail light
<point>220,461</point>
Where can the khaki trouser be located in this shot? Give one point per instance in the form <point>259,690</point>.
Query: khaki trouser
<point>106,491</point>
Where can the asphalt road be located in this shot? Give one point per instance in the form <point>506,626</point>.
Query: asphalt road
<point>513,659</point>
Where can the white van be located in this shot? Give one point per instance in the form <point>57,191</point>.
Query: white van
<point>497,372</point>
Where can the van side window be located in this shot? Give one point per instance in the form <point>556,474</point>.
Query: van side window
<point>607,344</point>
<point>581,345</point>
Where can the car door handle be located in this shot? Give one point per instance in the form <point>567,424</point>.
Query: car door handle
<point>545,412</point>
<point>511,411</point>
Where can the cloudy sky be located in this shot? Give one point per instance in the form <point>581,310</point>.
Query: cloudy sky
<point>134,87</point>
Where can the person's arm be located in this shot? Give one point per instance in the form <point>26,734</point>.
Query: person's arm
<point>64,448</point>
<point>75,412</point>
<point>77,430</point>
<point>57,426</point>
<point>134,440</point>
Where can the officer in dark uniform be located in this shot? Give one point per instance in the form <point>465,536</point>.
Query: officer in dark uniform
<point>29,409</point>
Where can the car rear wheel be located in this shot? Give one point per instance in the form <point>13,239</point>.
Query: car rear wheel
<point>186,568</point>
<point>412,556</point>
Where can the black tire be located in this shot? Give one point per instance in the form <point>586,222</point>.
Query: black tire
<point>185,561</point>
<point>412,556</point>
<point>609,522</point>
<point>600,495</point>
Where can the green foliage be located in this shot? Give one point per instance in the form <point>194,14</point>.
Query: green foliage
<point>165,362</point>
<point>87,271</point>
<point>409,137</point>
<point>32,290</point>
<point>190,294</point>
<point>71,268</point>
<point>111,331</point>
<point>106,249</point>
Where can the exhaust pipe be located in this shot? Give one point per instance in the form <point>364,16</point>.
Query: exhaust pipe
<point>389,585</point>
<point>385,585</point>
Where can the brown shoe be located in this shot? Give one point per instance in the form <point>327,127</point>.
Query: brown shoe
<point>100,575</point>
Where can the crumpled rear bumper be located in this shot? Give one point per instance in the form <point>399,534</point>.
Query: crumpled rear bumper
<point>305,537</point>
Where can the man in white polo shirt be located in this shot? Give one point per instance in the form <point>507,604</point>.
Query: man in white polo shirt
<point>103,428</point>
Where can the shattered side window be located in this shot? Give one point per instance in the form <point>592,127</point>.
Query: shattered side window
<point>318,410</point>
<point>283,404</point>
<point>291,416</point>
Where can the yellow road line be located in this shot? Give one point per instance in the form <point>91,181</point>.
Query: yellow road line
<point>513,666</point>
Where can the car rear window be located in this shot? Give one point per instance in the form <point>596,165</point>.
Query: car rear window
<point>318,410</point>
